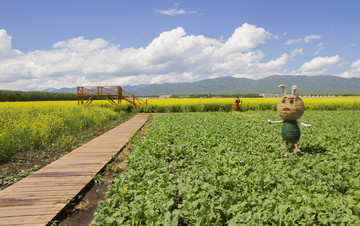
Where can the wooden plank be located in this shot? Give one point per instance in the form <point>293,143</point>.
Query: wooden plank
<point>114,144</point>
<point>45,187</point>
<point>18,202</point>
<point>38,198</point>
<point>26,211</point>
<point>42,219</point>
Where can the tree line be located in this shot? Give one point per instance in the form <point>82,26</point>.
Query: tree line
<point>7,95</point>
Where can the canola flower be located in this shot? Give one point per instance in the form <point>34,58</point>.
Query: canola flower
<point>227,104</point>
<point>38,103</point>
<point>31,125</point>
<point>327,103</point>
<point>199,104</point>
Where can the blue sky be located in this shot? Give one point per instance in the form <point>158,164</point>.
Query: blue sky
<point>53,44</point>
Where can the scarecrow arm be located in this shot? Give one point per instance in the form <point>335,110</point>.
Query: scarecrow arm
<point>303,124</point>
<point>273,122</point>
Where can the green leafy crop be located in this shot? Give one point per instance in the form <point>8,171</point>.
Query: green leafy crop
<point>227,169</point>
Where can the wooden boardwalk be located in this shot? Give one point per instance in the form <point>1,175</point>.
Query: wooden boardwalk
<point>38,198</point>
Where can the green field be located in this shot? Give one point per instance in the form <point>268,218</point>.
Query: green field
<point>214,167</point>
<point>224,168</point>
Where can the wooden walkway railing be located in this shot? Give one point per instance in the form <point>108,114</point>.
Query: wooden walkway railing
<point>38,198</point>
<point>108,92</point>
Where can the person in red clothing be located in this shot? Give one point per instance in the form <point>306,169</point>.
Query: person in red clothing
<point>237,104</point>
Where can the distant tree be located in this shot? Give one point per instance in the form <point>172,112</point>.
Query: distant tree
<point>6,95</point>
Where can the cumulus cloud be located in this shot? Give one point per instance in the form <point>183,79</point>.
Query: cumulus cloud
<point>5,46</point>
<point>320,65</point>
<point>245,38</point>
<point>356,64</point>
<point>5,41</point>
<point>354,71</point>
<point>173,56</point>
<point>306,39</point>
<point>80,44</point>
<point>273,66</point>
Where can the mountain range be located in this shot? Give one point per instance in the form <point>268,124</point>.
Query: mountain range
<point>322,84</point>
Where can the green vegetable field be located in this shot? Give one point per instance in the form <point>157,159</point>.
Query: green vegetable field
<point>226,168</point>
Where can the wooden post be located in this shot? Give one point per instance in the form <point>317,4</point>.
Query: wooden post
<point>78,95</point>
<point>119,92</point>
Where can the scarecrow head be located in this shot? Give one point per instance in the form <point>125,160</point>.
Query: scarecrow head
<point>290,106</point>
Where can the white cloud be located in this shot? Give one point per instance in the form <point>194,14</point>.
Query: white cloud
<point>5,46</point>
<point>245,38</point>
<point>356,64</point>
<point>306,39</point>
<point>275,65</point>
<point>173,56</point>
<point>293,41</point>
<point>175,11</point>
<point>5,41</point>
<point>320,65</point>
<point>171,12</point>
<point>320,47</point>
<point>354,71</point>
<point>296,52</point>
<point>80,44</point>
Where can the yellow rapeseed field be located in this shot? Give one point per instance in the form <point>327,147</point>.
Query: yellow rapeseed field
<point>30,125</point>
<point>327,103</point>
<point>309,100</point>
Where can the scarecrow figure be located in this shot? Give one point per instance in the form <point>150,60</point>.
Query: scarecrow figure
<point>290,108</point>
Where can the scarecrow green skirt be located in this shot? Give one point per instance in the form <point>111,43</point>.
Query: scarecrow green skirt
<point>290,131</point>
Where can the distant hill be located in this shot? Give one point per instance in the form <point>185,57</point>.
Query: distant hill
<point>322,84</point>
<point>74,90</point>
<point>62,90</point>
